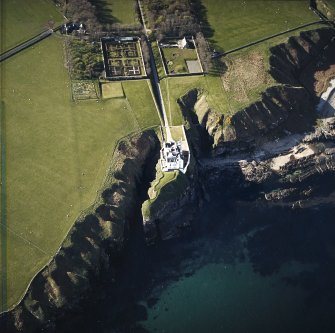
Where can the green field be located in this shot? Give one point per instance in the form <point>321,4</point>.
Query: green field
<point>57,153</point>
<point>122,11</point>
<point>22,19</point>
<point>238,22</point>
<point>112,90</point>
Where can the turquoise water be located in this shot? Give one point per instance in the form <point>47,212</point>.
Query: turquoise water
<point>230,298</point>
<point>247,266</point>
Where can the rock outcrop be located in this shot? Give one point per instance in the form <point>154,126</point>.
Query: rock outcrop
<point>281,109</point>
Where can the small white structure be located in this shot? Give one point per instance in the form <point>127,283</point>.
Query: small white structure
<point>182,43</point>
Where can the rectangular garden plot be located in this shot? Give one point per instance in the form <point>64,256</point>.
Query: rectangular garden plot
<point>180,57</point>
<point>122,58</point>
<point>84,90</point>
<point>112,90</point>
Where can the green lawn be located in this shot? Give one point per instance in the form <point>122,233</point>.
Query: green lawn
<point>122,11</point>
<point>138,93</point>
<point>23,19</point>
<point>57,153</point>
<point>238,22</point>
<point>112,90</point>
<point>175,59</point>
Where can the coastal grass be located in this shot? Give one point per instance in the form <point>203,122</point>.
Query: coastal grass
<point>22,20</point>
<point>237,22</point>
<point>57,154</point>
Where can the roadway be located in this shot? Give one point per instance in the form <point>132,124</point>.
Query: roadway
<point>155,80</point>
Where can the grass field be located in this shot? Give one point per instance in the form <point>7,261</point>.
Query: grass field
<point>238,22</point>
<point>57,153</point>
<point>22,19</point>
<point>122,11</point>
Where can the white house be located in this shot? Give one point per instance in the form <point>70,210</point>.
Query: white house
<point>182,43</point>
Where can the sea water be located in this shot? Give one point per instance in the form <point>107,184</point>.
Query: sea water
<point>246,266</point>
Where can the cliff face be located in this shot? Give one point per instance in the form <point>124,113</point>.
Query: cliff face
<point>302,67</point>
<point>91,243</point>
<point>280,109</point>
<point>173,209</point>
<point>199,116</point>
<point>305,61</point>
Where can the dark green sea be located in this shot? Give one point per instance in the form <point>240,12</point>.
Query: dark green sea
<point>246,266</point>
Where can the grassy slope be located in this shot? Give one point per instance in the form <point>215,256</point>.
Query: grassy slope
<point>122,11</point>
<point>235,24</point>
<point>22,19</point>
<point>57,153</point>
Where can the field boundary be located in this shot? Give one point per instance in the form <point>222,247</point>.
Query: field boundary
<point>222,54</point>
<point>24,45</point>
<point>3,227</point>
<point>163,60</point>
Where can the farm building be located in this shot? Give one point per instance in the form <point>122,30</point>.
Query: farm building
<point>70,27</point>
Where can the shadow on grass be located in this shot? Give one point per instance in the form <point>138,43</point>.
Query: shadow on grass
<point>104,12</point>
<point>200,11</point>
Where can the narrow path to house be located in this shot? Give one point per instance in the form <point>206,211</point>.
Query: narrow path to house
<point>222,54</point>
<point>26,44</point>
<point>155,80</point>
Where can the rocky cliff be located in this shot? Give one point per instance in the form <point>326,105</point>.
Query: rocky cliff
<point>302,68</point>
<point>89,246</point>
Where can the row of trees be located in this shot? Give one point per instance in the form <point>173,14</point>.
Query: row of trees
<point>179,18</point>
<point>84,59</point>
<point>171,17</point>
<point>204,51</point>
<point>84,12</point>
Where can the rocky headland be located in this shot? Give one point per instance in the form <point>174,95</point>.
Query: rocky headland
<point>282,142</point>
